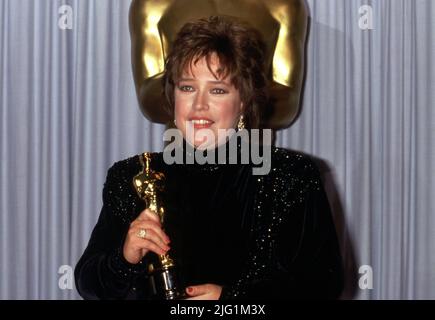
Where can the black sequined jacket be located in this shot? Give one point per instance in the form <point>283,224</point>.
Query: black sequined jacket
<point>260,237</point>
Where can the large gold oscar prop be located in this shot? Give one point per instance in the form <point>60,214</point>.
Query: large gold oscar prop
<point>283,23</point>
<point>149,185</point>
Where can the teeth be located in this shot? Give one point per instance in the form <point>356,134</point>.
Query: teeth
<point>201,121</point>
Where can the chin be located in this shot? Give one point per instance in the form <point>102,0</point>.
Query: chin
<point>201,145</point>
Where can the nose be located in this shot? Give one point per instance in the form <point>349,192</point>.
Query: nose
<point>201,100</point>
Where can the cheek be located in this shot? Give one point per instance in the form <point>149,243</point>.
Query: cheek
<point>229,112</point>
<point>181,106</point>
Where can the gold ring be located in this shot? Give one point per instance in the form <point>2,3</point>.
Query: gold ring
<point>142,233</point>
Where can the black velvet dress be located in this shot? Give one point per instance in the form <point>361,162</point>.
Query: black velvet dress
<point>260,237</point>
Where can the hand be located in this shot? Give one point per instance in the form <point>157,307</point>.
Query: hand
<point>156,240</point>
<point>206,291</point>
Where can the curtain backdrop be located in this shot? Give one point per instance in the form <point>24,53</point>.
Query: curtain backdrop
<point>69,111</point>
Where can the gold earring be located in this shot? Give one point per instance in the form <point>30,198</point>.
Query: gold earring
<point>241,124</point>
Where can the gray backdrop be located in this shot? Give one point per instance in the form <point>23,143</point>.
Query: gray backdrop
<point>69,110</point>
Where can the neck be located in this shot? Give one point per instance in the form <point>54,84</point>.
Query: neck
<point>224,153</point>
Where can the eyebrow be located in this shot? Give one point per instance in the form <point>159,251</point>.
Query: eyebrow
<point>212,81</point>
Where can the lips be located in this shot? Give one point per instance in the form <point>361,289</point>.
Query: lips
<point>201,122</point>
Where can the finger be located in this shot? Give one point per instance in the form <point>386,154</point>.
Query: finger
<point>148,224</point>
<point>149,214</point>
<point>198,290</point>
<point>201,297</point>
<point>145,224</point>
<point>150,246</point>
<point>154,237</point>
<point>152,215</point>
<point>149,235</point>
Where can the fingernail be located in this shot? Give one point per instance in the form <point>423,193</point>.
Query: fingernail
<point>190,290</point>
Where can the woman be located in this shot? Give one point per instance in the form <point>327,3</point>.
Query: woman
<point>234,234</point>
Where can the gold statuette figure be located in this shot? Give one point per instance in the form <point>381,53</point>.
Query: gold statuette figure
<point>149,185</point>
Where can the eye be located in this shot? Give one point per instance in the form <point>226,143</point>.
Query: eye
<point>185,88</point>
<point>218,91</point>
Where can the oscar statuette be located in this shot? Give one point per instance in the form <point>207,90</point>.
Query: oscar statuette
<point>149,185</point>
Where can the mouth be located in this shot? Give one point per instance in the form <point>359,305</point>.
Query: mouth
<point>201,123</point>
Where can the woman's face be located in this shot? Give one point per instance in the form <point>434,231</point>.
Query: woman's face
<point>204,104</point>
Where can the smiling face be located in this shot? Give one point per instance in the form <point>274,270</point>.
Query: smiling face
<point>203,103</point>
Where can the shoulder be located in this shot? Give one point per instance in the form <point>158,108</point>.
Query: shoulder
<point>118,182</point>
<point>295,169</point>
<point>130,166</point>
<point>120,174</point>
<point>293,162</point>
<point>124,166</point>
<point>119,194</point>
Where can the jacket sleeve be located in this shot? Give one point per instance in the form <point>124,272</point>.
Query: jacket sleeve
<point>102,272</point>
<point>306,263</point>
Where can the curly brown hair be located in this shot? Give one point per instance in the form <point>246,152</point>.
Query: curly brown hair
<point>240,50</point>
